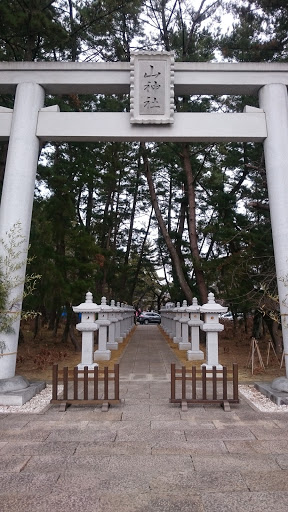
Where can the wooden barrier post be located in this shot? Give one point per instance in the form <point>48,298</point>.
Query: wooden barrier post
<point>93,376</point>
<point>210,394</point>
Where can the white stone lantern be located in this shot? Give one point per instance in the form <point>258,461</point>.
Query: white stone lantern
<point>118,330</point>
<point>194,354</point>
<point>212,327</point>
<point>123,326</point>
<point>165,319</point>
<point>178,314</point>
<point>102,353</point>
<point>184,319</point>
<point>112,343</point>
<point>87,326</point>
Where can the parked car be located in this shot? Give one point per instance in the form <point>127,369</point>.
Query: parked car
<point>229,316</point>
<point>149,317</point>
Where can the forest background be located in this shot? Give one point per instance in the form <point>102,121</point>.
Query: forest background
<point>148,223</point>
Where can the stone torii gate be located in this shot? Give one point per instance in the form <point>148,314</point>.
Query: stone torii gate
<point>152,79</point>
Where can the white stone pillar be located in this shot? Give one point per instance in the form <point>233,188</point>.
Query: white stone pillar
<point>178,314</point>
<point>112,343</point>
<point>118,338</point>
<point>184,319</point>
<point>17,202</point>
<point>163,312</point>
<point>102,353</point>
<point>114,335</point>
<point>195,323</point>
<point>87,326</point>
<point>131,318</point>
<point>124,325</point>
<point>212,327</point>
<point>122,320</point>
<point>273,100</point>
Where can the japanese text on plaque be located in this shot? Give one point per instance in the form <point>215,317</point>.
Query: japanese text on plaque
<point>152,88</point>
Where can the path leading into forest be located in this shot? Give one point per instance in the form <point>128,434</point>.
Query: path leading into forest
<point>144,455</point>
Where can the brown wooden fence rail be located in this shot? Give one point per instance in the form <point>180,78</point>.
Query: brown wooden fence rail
<point>212,390</point>
<point>90,393</point>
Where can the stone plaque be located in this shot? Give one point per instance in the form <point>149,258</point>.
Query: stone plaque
<point>152,88</point>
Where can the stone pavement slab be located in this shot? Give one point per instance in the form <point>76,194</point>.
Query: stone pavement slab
<point>266,480</point>
<point>77,434</point>
<point>37,448</point>
<point>232,432</point>
<point>24,435</point>
<point>114,448</point>
<point>238,462</point>
<point>144,454</point>
<point>12,464</point>
<point>276,447</point>
<point>191,448</point>
<point>182,424</point>
<point>102,481</point>
<point>208,481</point>
<point>245,502</point>
<point>282,460</point>
<point>26,483</point>
<point>2,446</point>
<point>269,434</point>
<point>51,501</point>
<point>151,502</point>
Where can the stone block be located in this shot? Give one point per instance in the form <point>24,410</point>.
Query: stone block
<point>21,396</point>
<point>277,396</point>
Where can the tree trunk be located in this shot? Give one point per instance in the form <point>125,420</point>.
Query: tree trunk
<point>52,319</point>
<point>75,342</point>
<point>21,336</point>
<point>275,334</point>
<point>37,325</point>
<point>199,274</point>
<point>170,246</point>
<point>89,207</point>
<point>132,217</point>
<point>56,325</point>
<point>139,261</point>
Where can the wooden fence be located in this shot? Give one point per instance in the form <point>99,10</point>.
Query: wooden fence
<point>213,388</point>
<point>94,390</point>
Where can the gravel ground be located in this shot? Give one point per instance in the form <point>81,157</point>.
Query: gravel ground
<point>260,401</point>
<point>38,404</point>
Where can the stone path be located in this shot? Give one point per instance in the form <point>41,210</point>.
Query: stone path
<point>144,455</point>
<point>148,357</point>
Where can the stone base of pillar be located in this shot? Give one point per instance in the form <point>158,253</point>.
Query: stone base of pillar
<point>102,355</point>
<point>112,345</point>
<point>276,396</point>
<point>13,383</point>
<point>210,366</point>
<point>184,346</point>
<point>280,384</point>
<point>195,355</point>
<point>176,340</point>
<point>19,396</point>
<point>81,366</point>
<point>119,340</point>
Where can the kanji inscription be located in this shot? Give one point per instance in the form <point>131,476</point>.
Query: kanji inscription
<point>152,88</point>
<point>152,92</point>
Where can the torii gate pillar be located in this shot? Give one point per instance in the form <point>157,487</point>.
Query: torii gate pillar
<point>273,100</point>
<point>17,204</point>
